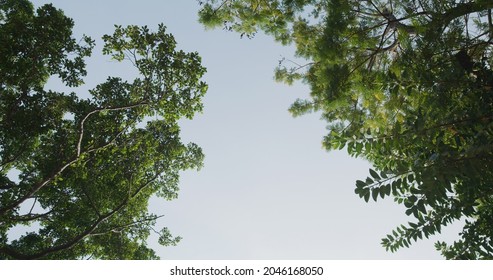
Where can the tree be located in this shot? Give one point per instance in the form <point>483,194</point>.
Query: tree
<point>85,181</point>
<point>406,85</point>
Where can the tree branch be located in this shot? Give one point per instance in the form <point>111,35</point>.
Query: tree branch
<point>36,188</point>
<point>490,23</point>
<point>78,238</point>
<point>73,160</point>
<point>459,11</point>
<point>17,255</point>
<point>7,187</point>
<point>119,108</point>
<point>30,217</point>
<point>118,228</point>
<point>5,162</point>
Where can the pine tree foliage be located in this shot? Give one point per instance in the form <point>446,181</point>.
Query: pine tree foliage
<point>407,85</point>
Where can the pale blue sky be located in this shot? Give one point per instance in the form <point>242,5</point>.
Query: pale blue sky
<point>268,190</point>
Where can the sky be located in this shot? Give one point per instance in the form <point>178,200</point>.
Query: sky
<point>268,190</point>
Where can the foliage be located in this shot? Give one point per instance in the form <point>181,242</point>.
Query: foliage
<point>406,85</point>
<point>85,181</point>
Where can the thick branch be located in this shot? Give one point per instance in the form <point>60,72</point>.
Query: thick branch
<point>17,255</point>
<point>120,108</point>
<point>439,20</point>
<point>44,182</point>
<point>460,11</point>
<point>396,24</point>
<point>36,188</point>
<point>90,230</point>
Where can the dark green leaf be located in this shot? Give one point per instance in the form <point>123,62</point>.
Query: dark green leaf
<point>374,174</point>
<point>421,206</point>
<point>360,184</point>
<point>375,193</point>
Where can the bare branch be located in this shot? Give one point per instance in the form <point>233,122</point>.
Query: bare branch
<point>34,204</point>
<point>119,228</point>
<point>359,11</point>
<point>120,108</point>
<point>375,6</point>
<point>298,66</point>
<point>30,217</point>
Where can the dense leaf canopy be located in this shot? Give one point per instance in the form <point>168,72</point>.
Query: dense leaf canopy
<point>407,85</point>
<point>84,181</point>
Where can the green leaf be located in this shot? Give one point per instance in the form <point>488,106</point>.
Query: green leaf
<point>408,203</point>
<point>360,184</point>
<point>382,191</point>
<point>388,189</point>
<point>413,225</point>
<point>342,145</point>
<point>421,206</point>
<point>415,237</point>
<point>405,243</point>
<point>350,147</point>
<point>410,178</point>
<point>359,148</point>
<point>374,193</point>
<point>374,174</point>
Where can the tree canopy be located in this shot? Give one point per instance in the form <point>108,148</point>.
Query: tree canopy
<point>406,85</point>
<point>88,166</point>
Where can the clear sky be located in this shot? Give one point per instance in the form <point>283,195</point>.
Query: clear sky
<point>267,190</point>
